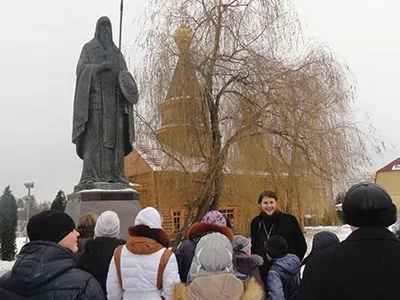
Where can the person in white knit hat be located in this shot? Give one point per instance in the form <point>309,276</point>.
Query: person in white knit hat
<point>107,225</point>
<point>98,252</point>
<point>144,268</point>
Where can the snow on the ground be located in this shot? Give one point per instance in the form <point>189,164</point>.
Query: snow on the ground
<point>341,231</point>
<point>7,265</point>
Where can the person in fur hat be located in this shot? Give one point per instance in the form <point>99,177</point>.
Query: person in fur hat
<point>213,277</point>
<point>213,221</point>
<point>366,264</point>
<point>138,275</point>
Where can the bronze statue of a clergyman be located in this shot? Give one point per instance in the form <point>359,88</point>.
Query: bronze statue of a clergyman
<point>103,124</point>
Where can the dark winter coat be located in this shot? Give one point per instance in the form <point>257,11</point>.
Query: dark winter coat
<point>184,254</point>
<point>248,264</point>
<point>96,257</point>
<point>364,266</point>
<point>283,279</point>
<point>45,270</point>
<point>282,224</point>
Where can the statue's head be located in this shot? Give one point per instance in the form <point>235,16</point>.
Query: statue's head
<point>104,31</point>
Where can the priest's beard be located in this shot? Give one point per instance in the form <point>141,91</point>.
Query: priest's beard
<point>105,39</point>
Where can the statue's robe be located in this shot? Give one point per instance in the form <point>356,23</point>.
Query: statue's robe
<point>103,124</point>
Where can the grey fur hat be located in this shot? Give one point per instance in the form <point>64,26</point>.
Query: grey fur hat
<point>241,243</point>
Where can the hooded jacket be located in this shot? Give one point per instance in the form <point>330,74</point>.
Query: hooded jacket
<point>45,270</point>
<point>185,252</point>
<point>283,278</point>
<point>140,259</point>
<point>248,264</point>
<point>219,287</point>
<point>212,271</point>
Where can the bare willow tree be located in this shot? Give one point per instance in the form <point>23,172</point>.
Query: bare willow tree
<point>319,141</point>
<point>254,93</point>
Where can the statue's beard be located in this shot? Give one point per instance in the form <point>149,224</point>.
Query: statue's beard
<point>105,39</point>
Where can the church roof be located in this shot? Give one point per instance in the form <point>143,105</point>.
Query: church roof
<point>159,159</point>
<point>184,83</point>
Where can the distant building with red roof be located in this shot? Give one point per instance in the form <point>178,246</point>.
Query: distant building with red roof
<point>389,178</point>
<point>392,166</point>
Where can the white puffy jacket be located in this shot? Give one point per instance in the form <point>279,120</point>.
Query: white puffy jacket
<point>139,276</point>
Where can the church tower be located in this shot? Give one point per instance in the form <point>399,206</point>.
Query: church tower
<point>182,116</point>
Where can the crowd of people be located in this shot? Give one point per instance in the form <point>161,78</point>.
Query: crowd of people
<point>90,261</point>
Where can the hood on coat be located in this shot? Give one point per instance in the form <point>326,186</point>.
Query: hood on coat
<point>290,263</point>
<point>252,260</point>
<point>213,255</point>
<point>40,262</point>
<point>201,228</point>
<point>146,240</point>
<point>142,245</point>
<point>219,287</point>
<point>159,235</point>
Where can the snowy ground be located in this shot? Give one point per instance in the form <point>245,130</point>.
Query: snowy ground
<point>342,232</point>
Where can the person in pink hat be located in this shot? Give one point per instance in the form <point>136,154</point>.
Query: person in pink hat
<point>213,221</point>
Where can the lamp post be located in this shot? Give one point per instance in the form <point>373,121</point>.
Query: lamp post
<point>29,185</point>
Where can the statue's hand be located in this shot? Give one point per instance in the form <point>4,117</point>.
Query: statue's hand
<point>106,65</point>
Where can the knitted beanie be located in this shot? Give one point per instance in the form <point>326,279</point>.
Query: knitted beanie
<point>277,247</point>
<point>214,217</point>
<point>368,204</point>
<point>50,225</point>
<point>107,225</point>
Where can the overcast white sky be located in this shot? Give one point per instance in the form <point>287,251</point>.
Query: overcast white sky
<point>41,41</point>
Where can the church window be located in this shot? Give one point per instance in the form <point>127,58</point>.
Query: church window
<point>177,216</point>
<point>230,213</point>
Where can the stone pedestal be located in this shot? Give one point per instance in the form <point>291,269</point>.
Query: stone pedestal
<point>124,202</point>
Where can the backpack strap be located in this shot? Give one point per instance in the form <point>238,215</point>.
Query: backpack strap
<point>117,260</point>
<point>161,267</point>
